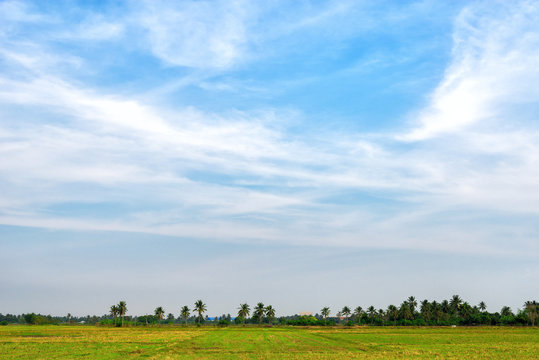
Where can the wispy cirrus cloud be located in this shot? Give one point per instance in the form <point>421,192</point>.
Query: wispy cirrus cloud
<point>245,178</point>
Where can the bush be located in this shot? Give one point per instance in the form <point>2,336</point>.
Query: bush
<point>305,321</point>
<point>223,323</point>
<point>4,323</point>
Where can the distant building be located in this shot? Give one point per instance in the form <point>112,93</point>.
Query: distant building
<point>305,313</point>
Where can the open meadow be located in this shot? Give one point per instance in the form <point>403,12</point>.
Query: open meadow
<point>174,342</point>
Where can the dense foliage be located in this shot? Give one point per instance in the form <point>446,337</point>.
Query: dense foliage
<point>410,312</point>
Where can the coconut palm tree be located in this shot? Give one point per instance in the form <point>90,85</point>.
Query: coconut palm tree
<point>482,306</point>
<point>325,313</point>
<point>243,312</point>
<point>455,303</point>
<point>506,311</point>
<point>114,313</point>
<point>184,313</point>
<point>532,310</point>
<point>159,312</point>
<point>259,312</point>
<point>270,313</point>
<point>445,307</point>
<point>412,302</point>
<point>405,310</point>
<point>200,308</point>
<point>425,309</point>
<point>346,312</point>
<point>393,313</point>
<point>122,309</point>
<point>358,312</point>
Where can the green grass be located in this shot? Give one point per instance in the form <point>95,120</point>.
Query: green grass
<point>87,342</point>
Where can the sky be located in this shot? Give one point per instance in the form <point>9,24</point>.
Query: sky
<point>302,154</point>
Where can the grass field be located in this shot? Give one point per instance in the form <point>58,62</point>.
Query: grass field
<point>71,342</point>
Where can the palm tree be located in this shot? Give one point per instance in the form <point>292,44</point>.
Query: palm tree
<point>482,306</point>
<point>445,306</point>
<point>243,312</point>
<point>114,313</point>
<point>270,313</point>
<point>393,313</point>
<point>159,312</point>
<point>506,311</point>
<point>425,309</point>
<point>412,302</point>
<point>455,303</point>
<point>185,313</point>
<point>122,309</point>
<point>372,312</point>
<point>325,313</point>
<point>200,308</point>
<point>405,310</point>
<point>345,312</point>
<point>357,312</point>
<point>532,309</point>
<point>259,312</point>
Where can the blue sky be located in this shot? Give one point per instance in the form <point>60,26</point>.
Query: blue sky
<point>303,154</point>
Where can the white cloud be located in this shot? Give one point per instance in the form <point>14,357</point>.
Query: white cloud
<point>235,177</point>
<point>494,64</point>
<point>198,34</point>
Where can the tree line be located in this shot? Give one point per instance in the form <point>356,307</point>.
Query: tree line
<point>454,311</point>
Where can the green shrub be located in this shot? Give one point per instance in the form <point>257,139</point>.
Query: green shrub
<point>223,323</point>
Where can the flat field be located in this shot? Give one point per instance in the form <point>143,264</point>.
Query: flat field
<point>166,342</point>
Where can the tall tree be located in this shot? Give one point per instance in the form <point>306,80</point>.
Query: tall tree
<point>122,309</point>
<point>200,308</point>
<point>185,313</point>
<point>506,311</point>
<point>346,313</point>
<point>455,303</point>
<point>412,302</point>
<point>532,310</point>
<point>159,312</point>
<point>270,313</point>
<point>243,312</point>
<point>482,306</point>
<point>114,313</point>
<point>425,309</point>
<point>405,310</point>
<point>358,311</point>
<point>372,313</point>
<point>258,312</point>
<point>325,313</point>
<point>393,313</point>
